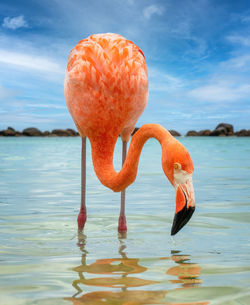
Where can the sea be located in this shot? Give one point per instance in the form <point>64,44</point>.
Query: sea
<point>45,260</point>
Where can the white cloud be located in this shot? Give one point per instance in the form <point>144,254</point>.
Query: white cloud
<point>236,64</point>
<point>51,106</point>
<point>29,61</point>
<point>151,10</point>
<point>6,93</point>
<point>130,2</point>
<point>160,73</point>
<point>27,118</point>
<point>245,19</point>
<point>15,22</point>
<point>161,81</point>
<point>243,40</point>
<point>220,92</point>
<point>229,82</point>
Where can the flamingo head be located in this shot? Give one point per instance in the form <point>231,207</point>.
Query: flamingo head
<point>178,167</point>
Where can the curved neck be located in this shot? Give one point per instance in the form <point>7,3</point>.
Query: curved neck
<point>103,150</point>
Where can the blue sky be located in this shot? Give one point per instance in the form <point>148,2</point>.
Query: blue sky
<point>197,53</point>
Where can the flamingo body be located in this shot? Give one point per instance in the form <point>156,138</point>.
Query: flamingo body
<point>106,87</point>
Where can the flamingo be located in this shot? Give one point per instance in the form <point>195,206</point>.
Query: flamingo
<point>106,90</point>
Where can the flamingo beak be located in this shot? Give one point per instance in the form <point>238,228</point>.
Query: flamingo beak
<point>185,205</point>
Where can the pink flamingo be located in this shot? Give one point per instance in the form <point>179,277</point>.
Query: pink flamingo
<point>106,90</point>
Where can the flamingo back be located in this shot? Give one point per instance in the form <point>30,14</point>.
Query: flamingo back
<point>106,86</point>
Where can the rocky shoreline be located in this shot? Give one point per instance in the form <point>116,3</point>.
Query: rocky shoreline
<point>221,130</point>
<point>34,132</point>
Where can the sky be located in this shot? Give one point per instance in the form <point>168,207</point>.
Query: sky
<point>197,54</point>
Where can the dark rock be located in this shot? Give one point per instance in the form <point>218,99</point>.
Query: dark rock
<point>61,133</point>
<point>46,133</point>
<point>229,128</point>
<point>72,132</point>
<point>11,128</point>
<point>19,134</point>
<point>219,131</point>
<point>192,133</point>
<point>174,133</point>
<point>204,133</point>
<point>32,132</point>
<point>10,132</point>
<point>242,133</point>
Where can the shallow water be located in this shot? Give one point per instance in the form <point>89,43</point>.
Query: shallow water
<point>44,261</point>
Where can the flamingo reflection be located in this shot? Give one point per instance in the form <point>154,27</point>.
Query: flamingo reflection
<point>116,274</point>
<point>187,273</point>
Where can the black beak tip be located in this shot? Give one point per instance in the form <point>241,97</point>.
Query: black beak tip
<point>181,218</point>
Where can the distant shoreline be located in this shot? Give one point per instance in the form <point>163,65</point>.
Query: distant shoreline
<point>221,130</point>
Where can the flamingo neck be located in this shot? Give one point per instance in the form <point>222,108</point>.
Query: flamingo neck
<point>103,150</point>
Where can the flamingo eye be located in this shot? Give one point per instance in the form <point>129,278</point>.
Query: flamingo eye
<point>177,165</point>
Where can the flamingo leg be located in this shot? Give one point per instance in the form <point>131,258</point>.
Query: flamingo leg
<point>122,226</point>
<point>82,216</point>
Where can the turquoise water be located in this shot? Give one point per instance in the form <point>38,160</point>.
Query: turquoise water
<point>44,261</point>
